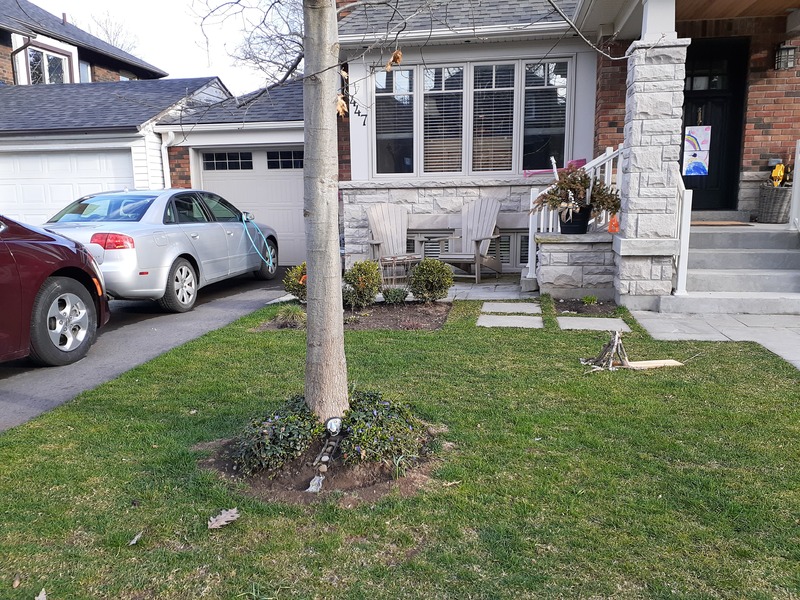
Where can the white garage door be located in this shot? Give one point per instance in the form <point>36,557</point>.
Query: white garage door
<point>36,185</point>
<point>267,183</point>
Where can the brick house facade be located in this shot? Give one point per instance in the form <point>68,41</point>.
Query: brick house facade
<point>772,98</point>
<point>179,168</point>
<point>6,70</point>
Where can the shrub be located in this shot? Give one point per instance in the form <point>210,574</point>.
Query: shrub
<point>379,430</point>
<point>362,282</point>
<point>295,282</point>
<point>291,316</point>
<point>430,280</point>
<point>587,300</point>
<point>270,442</point>
<point>395,295</point>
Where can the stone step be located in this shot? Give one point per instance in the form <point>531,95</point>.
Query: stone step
<point>754,258</point>
<point>698,216</point>
<point>750,280</point>
<point>753,303</point>
<point>776,237</point>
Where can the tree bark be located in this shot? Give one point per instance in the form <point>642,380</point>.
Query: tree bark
<point>326,367</point>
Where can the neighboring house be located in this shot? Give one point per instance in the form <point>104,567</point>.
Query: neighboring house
<point>59,142</point>
<point>484,96</point>
<point>39,48</point>
<point>249,150</point>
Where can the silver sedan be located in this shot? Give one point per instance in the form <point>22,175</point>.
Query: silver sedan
<point>165,245</point>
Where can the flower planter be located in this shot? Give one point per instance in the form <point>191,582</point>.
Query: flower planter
<point>579,223</point>
<point>774,204</point>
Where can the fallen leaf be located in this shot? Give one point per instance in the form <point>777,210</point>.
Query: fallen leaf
<point>450,483</point>
<point>42,595</point>
<point>226,517</point>
<point>136,538</point>
<point>193,411</point>
<point>17,581</point>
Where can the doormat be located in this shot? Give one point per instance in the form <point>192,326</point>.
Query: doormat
<point>721,224</point>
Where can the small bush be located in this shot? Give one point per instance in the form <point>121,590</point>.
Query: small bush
<point>430,280</point>
<point>295,282</point>
<point>270,442</point>
<point>395,295</point>
<point>291,316</point>
<point>587,300</point>
<point>362,282</point>
<point>379,430</point>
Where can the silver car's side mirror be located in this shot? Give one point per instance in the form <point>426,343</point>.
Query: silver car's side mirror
<point>248,216</point>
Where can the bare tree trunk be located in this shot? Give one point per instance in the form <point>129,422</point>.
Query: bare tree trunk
<point>326,368</point>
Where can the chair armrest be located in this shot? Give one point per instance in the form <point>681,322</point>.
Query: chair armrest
<point>375,242</point>
<point>490,237</point>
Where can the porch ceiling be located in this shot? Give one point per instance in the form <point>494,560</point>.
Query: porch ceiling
<point>690,10</point>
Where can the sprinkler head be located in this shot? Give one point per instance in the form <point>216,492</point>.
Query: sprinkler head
<point>334,425</point>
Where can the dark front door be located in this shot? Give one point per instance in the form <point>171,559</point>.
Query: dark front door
<point>716,73</point>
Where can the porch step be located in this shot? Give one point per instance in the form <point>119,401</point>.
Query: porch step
<point>749,303</point>
<point>754,258</point>
<point>751,280</point>
<point>777,237</point>
<point>742,216</point>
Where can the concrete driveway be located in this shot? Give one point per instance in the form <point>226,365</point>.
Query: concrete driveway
<point>136,333</point>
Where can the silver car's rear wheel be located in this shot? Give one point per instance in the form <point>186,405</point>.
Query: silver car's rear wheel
<point>63,322</point>
<point>181,291</point>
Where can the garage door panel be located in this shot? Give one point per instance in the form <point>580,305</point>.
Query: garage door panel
<point>36,185</point>
<point>275,197</point>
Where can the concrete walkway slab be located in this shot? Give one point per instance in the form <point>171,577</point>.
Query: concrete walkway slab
<point>520,321</point>
<point>672,327</point>
<point>528,308</point>
<point>593,323</point>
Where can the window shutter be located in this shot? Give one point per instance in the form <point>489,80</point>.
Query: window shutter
<point>443,114</point>
<point>493,118</point>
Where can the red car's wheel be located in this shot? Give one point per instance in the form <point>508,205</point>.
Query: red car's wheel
<point>63,322</point>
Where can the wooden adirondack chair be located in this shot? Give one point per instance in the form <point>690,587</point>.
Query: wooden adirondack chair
<point>388,224</point>
<point>478,229</point>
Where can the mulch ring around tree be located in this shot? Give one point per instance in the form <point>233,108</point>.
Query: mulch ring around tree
<point>407,316</point>
<point>346,485</point>
<point>603,308</point>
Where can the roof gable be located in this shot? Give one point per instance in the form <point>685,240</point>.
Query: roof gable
<point>87,107</point>
<point>277,104</point>
<point>22,17</point>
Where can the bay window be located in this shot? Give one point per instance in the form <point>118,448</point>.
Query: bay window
<point>472,118</point>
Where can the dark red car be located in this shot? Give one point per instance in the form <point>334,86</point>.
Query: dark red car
<point>52,296</point>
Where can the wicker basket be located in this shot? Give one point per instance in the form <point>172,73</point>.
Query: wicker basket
<point>773,204</point>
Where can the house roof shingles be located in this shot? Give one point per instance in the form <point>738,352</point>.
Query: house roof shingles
<point>387,20</point>
<point>281,103</point>
<point>72,107</point>
<point>20,16</point>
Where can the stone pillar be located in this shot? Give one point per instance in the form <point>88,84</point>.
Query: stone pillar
<point>648,185</point>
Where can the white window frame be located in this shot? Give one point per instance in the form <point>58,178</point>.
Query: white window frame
<point>46,45</point>
<point>467,115</point>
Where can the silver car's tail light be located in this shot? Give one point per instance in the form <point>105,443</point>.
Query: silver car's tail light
<point>112,241</point>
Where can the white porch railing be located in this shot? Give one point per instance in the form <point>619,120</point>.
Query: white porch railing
<point>544,220</point>
<point>684,214</point>
<point>794,212</point>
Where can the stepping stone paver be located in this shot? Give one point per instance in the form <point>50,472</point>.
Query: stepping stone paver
<point>593,323</point>
<point>528,308</point>
<point>521,321</point>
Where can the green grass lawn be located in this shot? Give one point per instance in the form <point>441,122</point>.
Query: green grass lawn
<point>670,483</point>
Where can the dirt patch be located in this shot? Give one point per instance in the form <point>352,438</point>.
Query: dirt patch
<point>347,485</point>
<point>600,309</point>
<point>407,316</point>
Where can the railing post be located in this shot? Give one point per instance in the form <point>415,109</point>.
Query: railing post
<point>683,232</point>
<point>533,225</point>
<point>794,211</point>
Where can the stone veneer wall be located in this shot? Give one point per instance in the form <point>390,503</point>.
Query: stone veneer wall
<point>427,198</point>
<point>574,266</point>
<point>648,184</point>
